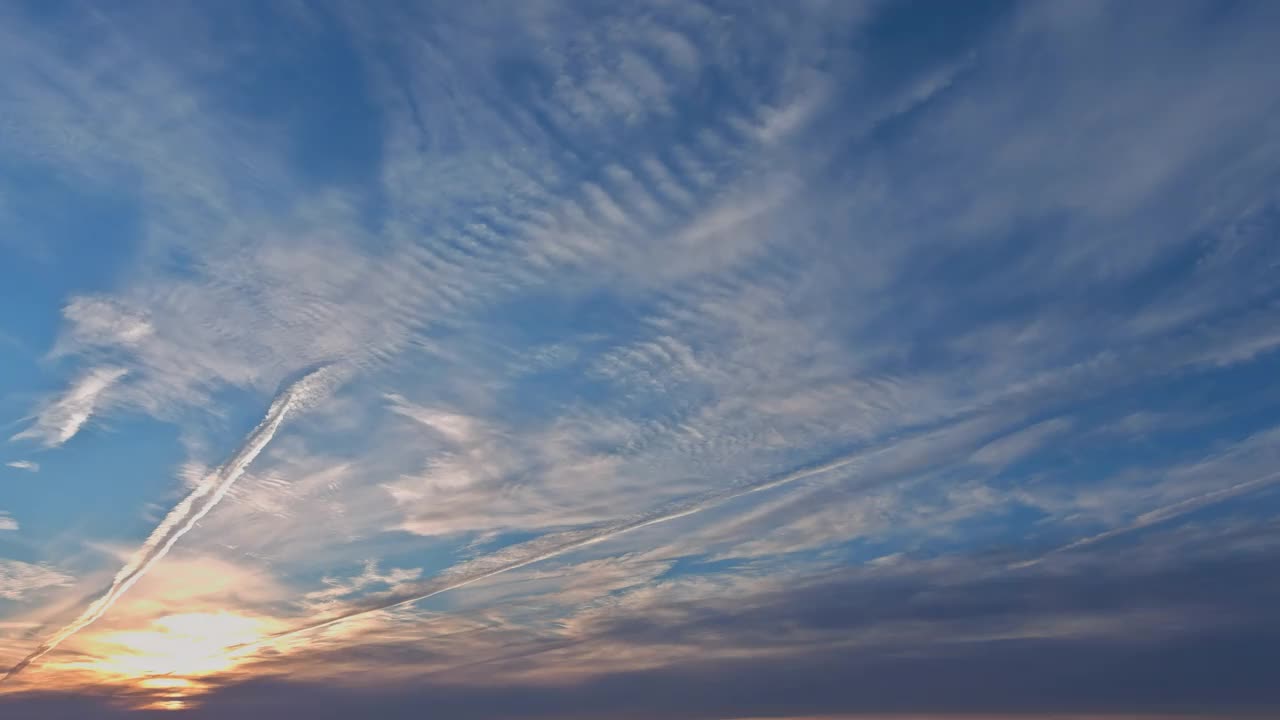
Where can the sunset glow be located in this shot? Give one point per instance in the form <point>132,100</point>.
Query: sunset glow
<point>169,659</point>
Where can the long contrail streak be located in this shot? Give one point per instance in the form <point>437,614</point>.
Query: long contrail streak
<point>1160,515</point>
<point>557,544</point>
<point>184,516</point>
<point>551,546</point>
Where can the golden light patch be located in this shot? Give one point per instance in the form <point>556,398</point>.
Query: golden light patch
<point>165,705</point>
<point>168,659</point>
<point>165,683</point>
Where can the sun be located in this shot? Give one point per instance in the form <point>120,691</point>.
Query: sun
<point>190,644</point>
<point>170,660</point>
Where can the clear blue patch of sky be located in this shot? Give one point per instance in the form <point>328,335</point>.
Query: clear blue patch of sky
<point>307,81</point>
<point>99,485</point>
<point>82,235</point>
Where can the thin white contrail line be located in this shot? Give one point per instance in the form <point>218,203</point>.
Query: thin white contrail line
<point>546,548</point>
<point>180,520</point>
<point>1160,515</point>
<point>558,544</point>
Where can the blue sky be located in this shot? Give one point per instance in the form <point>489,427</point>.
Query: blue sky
<point>677,359</point>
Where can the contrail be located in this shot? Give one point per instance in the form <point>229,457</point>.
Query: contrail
<point>183,517</point>
<point>556,544</point>
<point>1160,515</point>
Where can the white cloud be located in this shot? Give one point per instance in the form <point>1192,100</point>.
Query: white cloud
<point>19,579</point>
<point>62,418</point>
<point>337,588</point>
<point>99,321</point>
<point>457,428</point>
<point>1009,448</point>
<point>27,465</point>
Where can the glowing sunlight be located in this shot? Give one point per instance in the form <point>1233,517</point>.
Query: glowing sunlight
<point>166,661</point>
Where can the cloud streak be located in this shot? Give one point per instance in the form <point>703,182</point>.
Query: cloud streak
<point>59,421</point>
<point>1170,512</point>
<point>557,544</point>
<point>18,578</point>
<point>184,516</point>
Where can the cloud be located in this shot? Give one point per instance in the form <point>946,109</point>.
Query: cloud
<point>1008,449</point>
<point>337,589</point>
<point>63,417</point>
<point>203,499</point>
<point>457,428</point>
<point>858,642</point>
<point>7,522</point>
<point>19,579</point>
<point>1239,470</point>
<point>556,544</point>
<point>164,640</point>
<point>27,465</point>
<point>99,321</point>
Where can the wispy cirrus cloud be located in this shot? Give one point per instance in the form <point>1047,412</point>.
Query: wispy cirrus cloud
<point>203,499</point>
<point>63,416</point>
<point>19,579</point>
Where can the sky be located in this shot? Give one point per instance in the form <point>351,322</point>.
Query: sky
<point>676,360</point>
